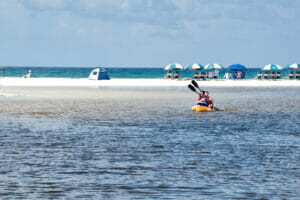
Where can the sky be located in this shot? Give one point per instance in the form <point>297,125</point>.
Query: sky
<point>148,33</point>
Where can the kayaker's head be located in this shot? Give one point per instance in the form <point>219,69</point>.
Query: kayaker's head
<point>201,94</point>
<point>206,93</point>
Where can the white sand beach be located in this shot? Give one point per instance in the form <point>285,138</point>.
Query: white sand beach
<point>84,82</point>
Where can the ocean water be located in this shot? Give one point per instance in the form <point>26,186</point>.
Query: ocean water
<point>83,72</point>
<point>145,143</point>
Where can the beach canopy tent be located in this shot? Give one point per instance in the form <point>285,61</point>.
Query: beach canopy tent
<point>272,67</point>
<point>213,67</point>
<point>194,67</point>
<point>238,71</point>
<point>99,73</point>
<point>2,70</point>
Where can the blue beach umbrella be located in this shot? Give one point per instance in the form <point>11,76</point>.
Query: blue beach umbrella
<point>173,67</point>
<point>272,67</point>
<point>293,66</point>
<point>194,67</point>
<point>237,67</point>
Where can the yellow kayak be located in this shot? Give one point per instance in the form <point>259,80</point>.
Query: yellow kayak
<point>201,109</point>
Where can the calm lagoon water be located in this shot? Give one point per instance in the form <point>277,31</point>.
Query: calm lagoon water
<point>147,144</point>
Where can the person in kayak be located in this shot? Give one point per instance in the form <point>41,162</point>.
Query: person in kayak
<point>210,100</point>
<point>202,100</point>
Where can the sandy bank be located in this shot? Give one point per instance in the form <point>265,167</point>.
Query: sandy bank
<point>68,82</point>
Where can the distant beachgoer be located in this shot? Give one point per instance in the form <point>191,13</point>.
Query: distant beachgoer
<point>28,75</point>
<point>235,75</point>
<point>210,75</point>
<point>243,75</point>
<point>239,75</point>
<point>227,75</point>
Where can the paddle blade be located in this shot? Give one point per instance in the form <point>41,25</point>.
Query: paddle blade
<point>192,88</point>
<point>218,109</point>
<point>195,84</point>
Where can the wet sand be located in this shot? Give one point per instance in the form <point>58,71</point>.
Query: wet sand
<point>68,82</point>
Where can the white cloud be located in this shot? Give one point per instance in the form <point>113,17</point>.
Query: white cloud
<point>43,5</point>
<point>92,28</point>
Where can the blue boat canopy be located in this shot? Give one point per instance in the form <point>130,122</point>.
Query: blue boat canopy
<point>99,73</point>
<point>237,67</point>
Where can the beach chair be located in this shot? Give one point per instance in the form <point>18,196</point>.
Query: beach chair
<point>177,75</point>
<point>216,75</point>
<point>169,75</point>
<point>273,75</point>
<point>196,75</point>
<point>278,75</point>
<point>204,76</point>
<point>297,75</point>
<point>266,76</point>
<point>292,76</point>
<point>259,76</point>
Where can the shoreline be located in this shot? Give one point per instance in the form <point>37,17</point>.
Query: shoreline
<point>84,82</point>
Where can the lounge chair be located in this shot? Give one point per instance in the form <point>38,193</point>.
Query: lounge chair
<point>196,75</point>
<point>266,76</point>
<point>204,76</point>
<point>297,76</point>
<point>176,76</point>
<point>273,75</point>
<point>169,75</point>
<point>291,76</point>
<point>278,75</point>
<point>259,76</point>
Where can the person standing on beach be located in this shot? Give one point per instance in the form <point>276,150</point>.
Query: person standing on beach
<point>227,75</point>
<point>210,75</point>
<point>28,75</point>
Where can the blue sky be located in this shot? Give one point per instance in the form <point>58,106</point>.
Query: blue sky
<point>148,33</point>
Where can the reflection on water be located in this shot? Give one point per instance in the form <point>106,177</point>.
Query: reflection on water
<point>148,144</point>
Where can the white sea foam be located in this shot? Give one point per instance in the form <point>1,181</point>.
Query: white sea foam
<point>84,82</point>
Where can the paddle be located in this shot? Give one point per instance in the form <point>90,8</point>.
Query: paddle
<point>196,84</point>
<point>192,88</point>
